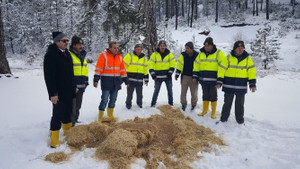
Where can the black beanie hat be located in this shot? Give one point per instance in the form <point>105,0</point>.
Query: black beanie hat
<point>190,45</point>
<point>57,36</point>
<point>138,45</point>
<point>162,42</point>
<point>76,40</point>
<point>208,41</point>
<point>238,44</point>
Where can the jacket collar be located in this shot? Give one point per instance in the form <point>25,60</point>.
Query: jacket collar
<point>240,58</point>
<point>211,52</point>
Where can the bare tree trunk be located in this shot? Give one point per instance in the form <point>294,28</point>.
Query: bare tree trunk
<point>261,5</point>
<point>253,2</point>
<point>196,10</point>
<point>176,13</point>
<point>172,8</point>
<point>192,13</point>
<point>267,9</point>
<point>57,15</point>
<point>182,8</point>
<point>71,13</point>
<point>293,3</point>
<point>151,33</point>
<point>230,3</point>
<point>188,11</point>
<point>159,11</point>
<point>167,9</point>
<point>4,67</point>
<point>10,34</point>
<point>217,11</point>
<point>246,4</point>
<point>256,5</point>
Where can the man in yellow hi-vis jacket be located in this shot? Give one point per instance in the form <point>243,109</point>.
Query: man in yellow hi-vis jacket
<point>137,70</point>
<point>208,64</point>
<point>240,71</point>
<point>81,75</point>
<point>161,68</point>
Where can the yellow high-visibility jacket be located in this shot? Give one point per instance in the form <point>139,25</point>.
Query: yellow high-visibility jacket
<point>240,71</point>
<point>161,67</point>
<point>208,66</point>
<point>137,68</point>
<point>81,70</point>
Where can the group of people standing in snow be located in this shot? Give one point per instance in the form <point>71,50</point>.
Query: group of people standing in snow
<point>66,77</point>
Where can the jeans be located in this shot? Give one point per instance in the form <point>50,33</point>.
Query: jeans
<point>157,86</point>
<point>112,94</point>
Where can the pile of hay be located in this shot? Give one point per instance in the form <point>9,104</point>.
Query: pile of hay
<point>171,138</point>
<point>57,157</point>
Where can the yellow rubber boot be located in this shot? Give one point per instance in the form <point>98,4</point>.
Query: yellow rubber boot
<point>101,114</point>
<point>110,112</point>
<point>213,109</point>
<point>54,138</point>
<point>205,108</point>
<point>66,127</point>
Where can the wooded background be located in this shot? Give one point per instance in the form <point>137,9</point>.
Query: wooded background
<point>28,24</point>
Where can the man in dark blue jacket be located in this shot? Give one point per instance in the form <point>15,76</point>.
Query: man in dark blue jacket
<point>184,67</point>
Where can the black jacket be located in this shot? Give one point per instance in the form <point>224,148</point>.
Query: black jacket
<point>58,73</point>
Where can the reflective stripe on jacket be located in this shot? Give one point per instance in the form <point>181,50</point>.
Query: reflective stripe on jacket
<point>240,71</point>
<point>111,70</point>
<point>137,68</point>
<point>81,70</point>
<point>207,67</point>
<point>161,67</point>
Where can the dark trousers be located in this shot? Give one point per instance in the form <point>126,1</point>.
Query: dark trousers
<point>157,86</point>
<point>139,94</point>
<point>61,113</point>
<point>239,107</point>
<point>209,93</point>
<point>76,106</point>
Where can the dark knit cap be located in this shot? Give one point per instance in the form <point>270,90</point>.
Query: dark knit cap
<point>238,44</point>
<point>57,36</point>
<point>138,45</point>
<point>76,40</point>
<point>190,45</point>
<point>162,42</point>
<point>208,41</point>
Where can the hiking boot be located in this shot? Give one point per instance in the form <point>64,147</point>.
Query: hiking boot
<point>140,106</point>
<point>183,108</point>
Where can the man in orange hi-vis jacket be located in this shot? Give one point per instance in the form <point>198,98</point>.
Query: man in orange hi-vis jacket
<point>110,69</point>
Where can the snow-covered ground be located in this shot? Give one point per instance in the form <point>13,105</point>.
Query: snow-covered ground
<point>269,139</point>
